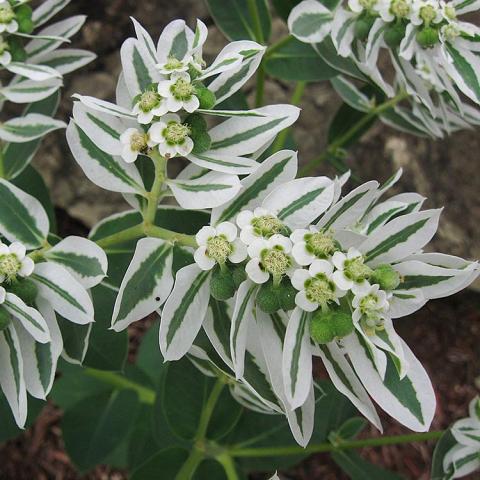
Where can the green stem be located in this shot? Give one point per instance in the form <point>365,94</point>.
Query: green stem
<point>174,237</point>
<point>295,100</point>
<point>257,24</point>
<point>260,90</point>
<point>228,466</point>
<point>276,46</point>
<point>156,191</point>
<point>145,395</point>
<point>131,233</point>
<point>351,132</point>
<point>328,447</point>
<point>191,464</point>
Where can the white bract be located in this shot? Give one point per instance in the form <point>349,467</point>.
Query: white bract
<point>13,262</point>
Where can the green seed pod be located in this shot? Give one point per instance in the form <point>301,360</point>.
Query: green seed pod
<point>5,319</point>
<point>321,328</point>
<point>222,286</point>
<point>205,96</point>
<point>386,277</point>
<point>24,19</point>
<point>201,143</point>
<point>197,124</point>
<point>342,322</point>
<point>286,294</point>
<point>24,289</point>
<point>428,37</point>
<point>267,298</point>
<point>363,26</point>
<point>394,34</point>
<point>238,275</point>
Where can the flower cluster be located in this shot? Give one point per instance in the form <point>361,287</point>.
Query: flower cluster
<point>463,457</point>
<point>429,47</point>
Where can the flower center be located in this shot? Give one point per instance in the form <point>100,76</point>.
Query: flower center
<point>219,248</point>
<point>138,141</point>
<point>322,245</point>
<point>450,32</point>
<point>275,261</point>
<point>320,289</point>
<point>368,4</point>
<point>9,266</point>
<point>175,133</point>
<point>400,8</point>
<point>6,14</point>
<point>450,12</point>
<point>149,100</point>
<point>428,14</point>
<point>356,270</point>
<point>182,89</point>
<point>173,64</point>
<point>267,225</point>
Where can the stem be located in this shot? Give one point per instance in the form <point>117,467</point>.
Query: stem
<point>145,395</point>
<point>260,86</point>
<point>169,235</point>
<point>131,233</point>
<point>328,447</point>
<point>351,132</point>
<point>295,100</point>
<point>257,24</point>
<point>190,466</point>
<point>228,465</point>
<point>155,192</point>
<point>276,46</point>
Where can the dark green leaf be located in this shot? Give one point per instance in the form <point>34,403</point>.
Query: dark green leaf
<point>359,469</point>
<point>446,442</point>
<point>168,462</point>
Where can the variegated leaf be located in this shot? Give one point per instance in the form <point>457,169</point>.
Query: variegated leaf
<point>350,94</point>
<point>31,90</point>
<point>310,21</point>
<point>31,71</point>
<point>29,127</point>
<point>46,10</point>
<point>66,60</point>
<point>224,163</point>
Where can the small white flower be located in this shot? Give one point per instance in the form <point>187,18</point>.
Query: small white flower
<point>260,223</point>
<point>389,10</point>
<point>7,18</point>
<point>425,12</point>
<point>134,142</point>
<point>315,286</point>
<point>371,307</point>
<point>173,65</point>
<point>270,257</point>
<point>150,104</point>
<point>217,245</point>
<point>311,244</point>
<point>352,273</point>
<point>13,262</point>
<point>179,93</point>
<point>448,10</point>
<point>358,6</point>
<point>172,136</point>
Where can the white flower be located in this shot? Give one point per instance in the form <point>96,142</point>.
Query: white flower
<point>173,65</point>
<point>13,262</point>
<point>351,273</point>
<point>311,244</point>
<point>134,142</point>
<point>389,10</point>
<point>217,245</point>
<point>269,257</point>
<point>358,6</point>
<point>150,104</point>
<point>315,286</point>
<point>7,18</point>
<point>371,307</point>
<point>179,93</point>
<point>448,10</point>
<point>425,12</point>
<point>171,135</point>
<point>260,223</point>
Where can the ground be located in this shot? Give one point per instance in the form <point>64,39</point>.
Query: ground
<point>445,335</point>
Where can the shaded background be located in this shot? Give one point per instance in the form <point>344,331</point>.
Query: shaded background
<point>445,335</point>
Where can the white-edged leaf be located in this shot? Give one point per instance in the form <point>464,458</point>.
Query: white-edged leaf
<point>310,21</point>
<point>33,71</point>
<point>28,317</point>
<point>208,191</point>
<point>302,419</point>
<point>46,10</point>
<point>272,172</point>
<point>299,202</point>
<point>22,216</point>
<point>66,60</point>
<point>146,284</point>
<point>105,170</point>
<point>176,41</point>
<point>145,40</point>
<point>403,120</point>
<point>29,127</point>
<point>464,459</point>
<point>31,90</point>
<point>84,259</point>
<point>65,294</point>
<point>297,358</point>
<point>11,375</point>
<point>350,94</point>
<point>410,400</point>
<point>224,163</point>
<point>347,382</point>
<point>405,302</point>
<point>184,311</point>
<point>400,237</point>
<point>242,317</point>
<point>105,107</point>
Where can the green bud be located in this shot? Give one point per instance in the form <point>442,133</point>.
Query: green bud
<point>267,298</point>
<point>363,26</point>
<point>24,289</point>
<point>286,294</point>
<point>222,286</point>
<point>427,37</point>
<point>24,18</point>
<point>342,322</point>
<point>321,328</point>
<point>205,96</point>
<point>197,124</point>
<point>201,143</point>
<point>386,277</point>
<point>15,46</point>
<point>394,34</point>
<point>5,319</point>
<point>238,275</point>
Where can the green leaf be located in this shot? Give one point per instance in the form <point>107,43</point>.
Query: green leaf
<point>351,428</point>
<point>75,339</point>
<point>93,427</point>
<point>359,469</point>
<point>297,61</point>
<point>16,156</point>
<point>284,7</point>
<point>446,442</point>
<point>29,127</point>
<point>168,461</point>
<point>328,53</point>
<point>235,20</point>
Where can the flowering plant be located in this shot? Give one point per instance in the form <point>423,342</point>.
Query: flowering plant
<point>246,268</point>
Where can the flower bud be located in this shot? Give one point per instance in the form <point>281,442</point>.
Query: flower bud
<point>363,26</point>
<point>222,286</point>
<point>238,275</point>
<point>24,289</point>
<point>394,34</point>
<point>267,298</point>
<point>198,133</point>
<point>322,328</point>
<point>205,96</point>
<point>23,16</point>
<point>15,47</point>
<point>343,323</point>
<point>286,296</point>
<point>427,37</point>
<point>5,319</point>
<point>386,277</point>
<point>201,143</point>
